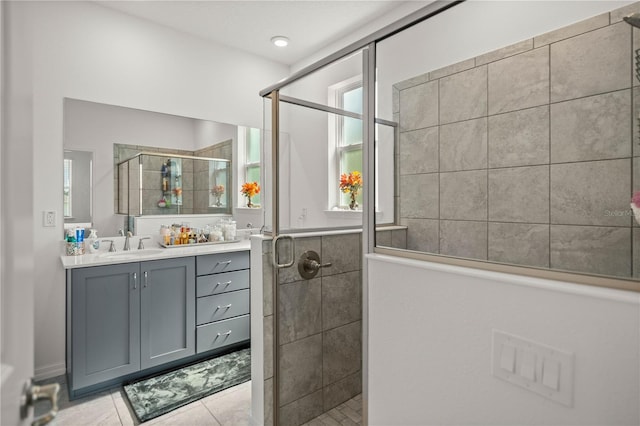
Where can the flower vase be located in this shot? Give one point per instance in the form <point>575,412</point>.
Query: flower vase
<point>353,205</point>
<point>218,202</point>
<point>249,203</point>
<point>636,212</point>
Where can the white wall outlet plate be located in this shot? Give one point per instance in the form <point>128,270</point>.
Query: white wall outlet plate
<point>49,218</point>
<point>533,366</point>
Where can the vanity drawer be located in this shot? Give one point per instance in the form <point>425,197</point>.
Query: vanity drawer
<point>222,262</point>
<point>222,306</point>
<point>208,285</point>
<point>222,333</point>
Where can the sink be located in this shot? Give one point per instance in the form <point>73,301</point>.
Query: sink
<point>133,254</point>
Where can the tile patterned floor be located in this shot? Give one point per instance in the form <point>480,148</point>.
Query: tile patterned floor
<point>231,407</point>
<point>348,413</point>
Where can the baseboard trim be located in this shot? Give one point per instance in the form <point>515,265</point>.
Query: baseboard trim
<point>49,371</point>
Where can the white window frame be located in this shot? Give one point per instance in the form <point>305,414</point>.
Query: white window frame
<point>245,165</point>
<point>335,133</point>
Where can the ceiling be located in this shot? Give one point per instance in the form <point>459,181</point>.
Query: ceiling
<point>249,25</point>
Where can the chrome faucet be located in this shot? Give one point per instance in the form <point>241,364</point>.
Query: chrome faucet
<point>126,242</point>
<point>112,247</point>
<point>140,244</point>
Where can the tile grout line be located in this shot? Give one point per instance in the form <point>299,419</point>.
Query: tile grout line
<point>549,157</point>
<point>487,163</point>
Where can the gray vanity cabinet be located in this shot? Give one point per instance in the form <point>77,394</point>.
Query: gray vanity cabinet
<point>128,317</point>
<point>105,309</point>
<point>167,307</point>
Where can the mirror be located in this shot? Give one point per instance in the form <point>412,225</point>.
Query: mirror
<point>114,133</point>
<point>77,186</point>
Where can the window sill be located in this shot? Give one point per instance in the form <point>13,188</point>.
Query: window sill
<point>244,209</point>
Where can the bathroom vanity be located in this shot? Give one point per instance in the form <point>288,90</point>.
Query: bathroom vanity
<point>131,314</point>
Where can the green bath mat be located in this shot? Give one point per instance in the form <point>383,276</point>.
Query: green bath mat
<point>158,395</point>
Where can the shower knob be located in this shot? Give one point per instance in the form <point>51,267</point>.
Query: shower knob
<point>309,264</point>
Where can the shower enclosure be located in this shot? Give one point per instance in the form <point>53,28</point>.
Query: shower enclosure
<point>520,159</point>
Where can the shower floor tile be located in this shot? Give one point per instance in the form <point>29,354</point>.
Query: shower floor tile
<point>348,413</point>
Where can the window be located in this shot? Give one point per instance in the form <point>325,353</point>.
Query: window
<point>66,188</point>
<point>250,159</point>
<point>347,96</point>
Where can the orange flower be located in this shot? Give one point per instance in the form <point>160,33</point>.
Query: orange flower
<point>351,182</point>
<point>250,189</point>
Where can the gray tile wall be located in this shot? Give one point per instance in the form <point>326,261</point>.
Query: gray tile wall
<point>525,155</point>
<point>320,326</point>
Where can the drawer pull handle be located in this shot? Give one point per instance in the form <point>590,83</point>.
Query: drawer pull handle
<point>226,262</point>
<point>224,307</point>
<point>135,280</point>
<point>224,284</point>
<point>228,333</point>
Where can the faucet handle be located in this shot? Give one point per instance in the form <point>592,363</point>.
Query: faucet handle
<point>141,244</point>
<point>112,247</point>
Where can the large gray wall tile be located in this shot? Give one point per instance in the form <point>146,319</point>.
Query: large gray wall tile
<point>422,235</point>
<point>452,69</point>
<point>463,145</point>
<point>342,390</point>
<point>519,194</point>
<point>519,138</point>
<point>268,402</point>
<point>341,299</point>
<point>591,249</point>
<point>267,283</point>
<point>342,251</point>
<point>342,352</point>
<point>302,410</point>
<point>419,151</point>
<point>300,310</point>
<point>463,195</point>
<point>519,244</point>
<point>618,14</point>
<point>419,196</point>
<point>596,62</point>
<point>591,193</point>
<point>419,106</point>
<point>504,52</point>
<point>463,239</point>
<point>300,368</point>
<point>383,238</point>
<point>287,275</point>
<point>519,82</point>
<point>580,27</point>
<point>399,238</point>
<point>463,96</point>
<point>267,330</point>
<point>635,120</point>
<point>591,128</point>
<point>636,252</point>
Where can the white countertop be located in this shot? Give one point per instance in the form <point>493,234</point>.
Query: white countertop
<point>151,253</point>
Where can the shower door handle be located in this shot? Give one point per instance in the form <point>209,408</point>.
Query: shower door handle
<point>274,252</point>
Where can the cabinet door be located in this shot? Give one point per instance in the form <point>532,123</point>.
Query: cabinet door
<point>167,310</point>
<point>105,315</point>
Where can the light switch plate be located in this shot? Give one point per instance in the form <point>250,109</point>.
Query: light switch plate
<point>530,360</point>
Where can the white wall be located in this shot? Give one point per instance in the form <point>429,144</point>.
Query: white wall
<point>84,51</point>
<point>430,347</point>
<point>430,330</point>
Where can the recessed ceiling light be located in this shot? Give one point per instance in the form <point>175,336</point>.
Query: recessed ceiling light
<point>280,41</point>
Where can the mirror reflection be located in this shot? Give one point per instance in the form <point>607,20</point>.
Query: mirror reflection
<point>115,134</point>
<point>77,182</point>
